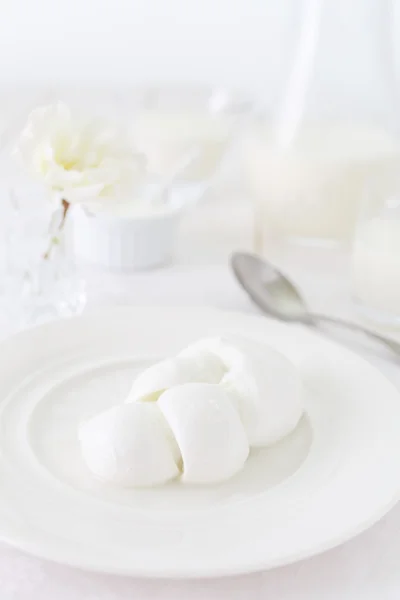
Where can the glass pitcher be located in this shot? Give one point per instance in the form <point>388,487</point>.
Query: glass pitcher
<point>334,123</point>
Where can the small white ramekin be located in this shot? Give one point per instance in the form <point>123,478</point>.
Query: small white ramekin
<point>125,242</point>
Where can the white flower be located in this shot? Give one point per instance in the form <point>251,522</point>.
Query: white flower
<point>79,161</point>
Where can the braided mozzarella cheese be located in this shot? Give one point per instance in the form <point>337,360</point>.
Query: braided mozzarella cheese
<point>196,415</point>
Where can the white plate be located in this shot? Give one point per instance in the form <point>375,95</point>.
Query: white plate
<point>334,476</point>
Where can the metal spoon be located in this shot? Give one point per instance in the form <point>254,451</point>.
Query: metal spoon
<point>277,296</point>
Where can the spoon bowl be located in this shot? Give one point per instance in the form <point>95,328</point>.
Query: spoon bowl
<point>272,291</point>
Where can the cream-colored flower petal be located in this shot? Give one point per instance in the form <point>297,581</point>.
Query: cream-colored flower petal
<point>81,194</point>
<point>76,159</point>
<point>59,178</point>
<point>47,119</point>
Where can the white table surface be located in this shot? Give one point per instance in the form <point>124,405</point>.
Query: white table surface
<point>366,568</point>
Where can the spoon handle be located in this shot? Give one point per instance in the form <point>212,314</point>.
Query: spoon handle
<point>391,344</point>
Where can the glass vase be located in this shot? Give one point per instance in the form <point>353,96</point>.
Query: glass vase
<point>40,281</point>
<point>376,252</point>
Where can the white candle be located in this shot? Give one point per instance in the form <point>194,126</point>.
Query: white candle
<point>376,264</point>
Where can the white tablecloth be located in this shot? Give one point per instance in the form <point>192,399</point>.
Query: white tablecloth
<point>367,568</point>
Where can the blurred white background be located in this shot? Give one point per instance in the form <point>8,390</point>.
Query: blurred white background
<point>121,41</point>
<point>113,43</point>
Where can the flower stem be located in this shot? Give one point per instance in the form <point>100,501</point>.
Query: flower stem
<point>54,240</point>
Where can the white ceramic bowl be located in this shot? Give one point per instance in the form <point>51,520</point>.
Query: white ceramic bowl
<point>125,242</point>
